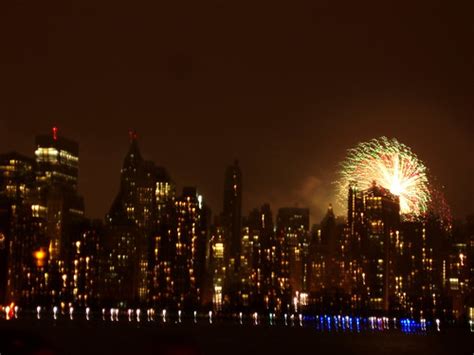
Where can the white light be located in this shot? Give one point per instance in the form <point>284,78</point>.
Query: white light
<point>7,312</point>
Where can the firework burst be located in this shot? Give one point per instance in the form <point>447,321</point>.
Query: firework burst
<point>391,165</point>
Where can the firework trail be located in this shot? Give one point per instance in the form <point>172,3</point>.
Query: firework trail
<point>391,165</point>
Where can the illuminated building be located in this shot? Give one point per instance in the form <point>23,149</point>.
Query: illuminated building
<point>456,268</point>
<point>232,211</point>
<point>129,226</point>
<point>57,206</point>
<point>155,244</point>
<point>188,236</point>
<point>246,268</point>
<point>266,254</point>
<point>84,269</point>
<point>328,279</point>
<point>163,241</point>
<point>293,241</point>
<point>217,268</point>
<point>421,269</point>
<point>373,221</point>
<point>17,238</point>
<point>57,161</point>
<point>201,261</point>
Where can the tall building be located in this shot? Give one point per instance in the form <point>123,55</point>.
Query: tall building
<point>328,280</point>
<point>418,284</point>
<point>84,269</point>
<point>163,248</point>
<point>217,268</point>
<point>266,276</point>
<point>293,241</point>
<point>129,227</point>
<point>57,161</point>
<point>17,240</point>
<point>188,240</point>
<point>374,219</point>
<point>57,206</point>
<point>232,211</point>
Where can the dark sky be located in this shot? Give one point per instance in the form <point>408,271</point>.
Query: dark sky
<point>284,86</point>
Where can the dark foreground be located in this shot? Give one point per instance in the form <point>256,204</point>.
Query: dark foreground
<point>46,337</point>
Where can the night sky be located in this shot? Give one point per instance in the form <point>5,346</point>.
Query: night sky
<point>285,87</point>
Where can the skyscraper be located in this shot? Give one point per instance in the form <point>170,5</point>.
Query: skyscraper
<point>129,225</point>
<point>57,161</point>
<point>374,218</point>
<point>232,211</point>
<point>293,242</point>
<point>163,243</point>
<point>57,206</point>
<point>185,278</point>
<point>16,235</point>
<point>153,238</point>
<point>217,268</point>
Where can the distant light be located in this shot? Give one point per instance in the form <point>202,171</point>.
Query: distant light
<point>7,312</point>
<point>55,312</point>
<point>39,255</point>
<point>55,133</point>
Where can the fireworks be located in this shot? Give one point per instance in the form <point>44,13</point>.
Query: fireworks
<point>391,165</point>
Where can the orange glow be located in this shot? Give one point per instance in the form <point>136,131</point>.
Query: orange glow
<point>39,255</point>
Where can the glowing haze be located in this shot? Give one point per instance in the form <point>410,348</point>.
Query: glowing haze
<point>391,165</point>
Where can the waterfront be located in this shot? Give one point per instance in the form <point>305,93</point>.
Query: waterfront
<point>80,336</point>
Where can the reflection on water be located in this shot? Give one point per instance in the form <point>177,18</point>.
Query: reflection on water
<point>322,323</point>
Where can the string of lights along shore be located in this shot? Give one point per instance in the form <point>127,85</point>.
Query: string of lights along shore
<point>393,251</point>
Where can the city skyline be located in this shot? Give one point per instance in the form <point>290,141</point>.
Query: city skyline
<point>305,195</point>
<point>159,248</point>
<point>239,177</point>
